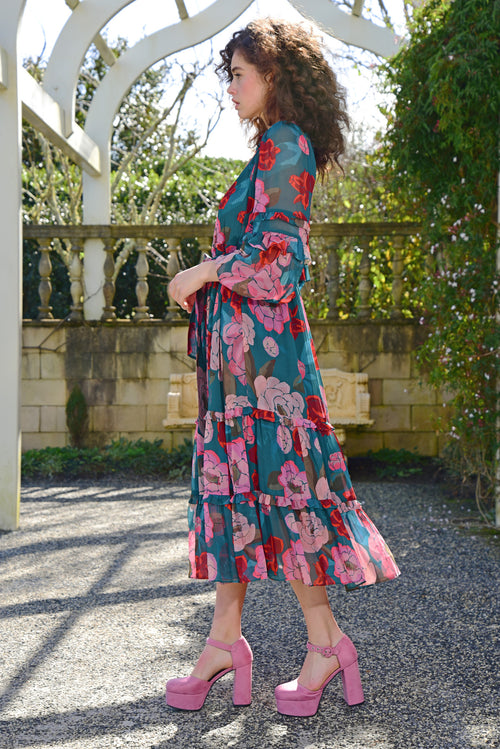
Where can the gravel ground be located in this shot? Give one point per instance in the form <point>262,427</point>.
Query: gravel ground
<point>96,612</point>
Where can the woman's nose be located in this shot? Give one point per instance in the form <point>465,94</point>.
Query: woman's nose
<point>230,89</point>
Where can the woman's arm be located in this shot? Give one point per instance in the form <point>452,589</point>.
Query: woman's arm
<point>183,287</point>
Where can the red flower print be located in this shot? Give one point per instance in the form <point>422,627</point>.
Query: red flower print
<point>226,197</point>
<point>206,566</point>
<point>272,549</point>
<point>321,567</point>
<point>338,523</point>
<point>241,216</point>
<point>280,217</point>
<point>297,325</point>
<point>267,155</point>
<point>304,186</point>
<point>241,566</point>
<point>315,409</point>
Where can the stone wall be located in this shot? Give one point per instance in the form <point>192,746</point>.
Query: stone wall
<point>123,370</point>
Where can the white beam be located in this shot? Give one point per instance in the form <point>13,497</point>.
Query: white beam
<point>63,68</point>
<point>46,115</point>
<point>4,70</point>
<point>106,102</point>
<point>11,275</point>
<point>350,29</point>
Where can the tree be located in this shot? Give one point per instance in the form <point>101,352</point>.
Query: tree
<point>150,144</point>
<point>442,150</point>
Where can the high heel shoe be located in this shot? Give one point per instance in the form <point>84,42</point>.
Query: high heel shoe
<point>189,693</point>
<point>294,699</point>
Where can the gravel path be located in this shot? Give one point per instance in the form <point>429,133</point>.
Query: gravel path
<point>96,611</point>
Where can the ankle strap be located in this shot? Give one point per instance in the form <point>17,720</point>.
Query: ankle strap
<point>220,645</point>
<point>326,652</point>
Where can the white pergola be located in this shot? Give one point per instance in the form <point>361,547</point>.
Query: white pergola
<point>50,107</point>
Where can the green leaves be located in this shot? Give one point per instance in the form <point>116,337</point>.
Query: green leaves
<point>442,153</point>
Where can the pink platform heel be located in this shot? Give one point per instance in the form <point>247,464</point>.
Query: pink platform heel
<point>189,693</point>
<point>294,699</point>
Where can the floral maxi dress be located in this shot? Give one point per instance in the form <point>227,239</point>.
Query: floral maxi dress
<point>271,495</point>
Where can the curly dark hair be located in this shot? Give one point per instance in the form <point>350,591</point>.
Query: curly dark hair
<point>305,89</point>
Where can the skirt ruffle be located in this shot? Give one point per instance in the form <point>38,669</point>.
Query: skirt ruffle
<point>272,499</point>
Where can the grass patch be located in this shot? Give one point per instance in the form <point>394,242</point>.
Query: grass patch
<point>139,458</point>
<point>397,464</point>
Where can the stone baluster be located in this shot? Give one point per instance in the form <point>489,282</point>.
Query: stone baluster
<point>333,283</point>
<point>45,285</point>
<point>365,285</point>
<point>397,277</point>
<point>109,284</point>
<point>142,286</point>
<point>75,277</point>
<point>173,267</point>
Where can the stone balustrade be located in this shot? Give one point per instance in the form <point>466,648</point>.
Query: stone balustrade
<point>329,236</point>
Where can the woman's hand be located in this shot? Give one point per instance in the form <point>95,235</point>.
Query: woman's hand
<point>183,287</point>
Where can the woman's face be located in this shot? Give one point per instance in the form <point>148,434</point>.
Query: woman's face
<point>247,89</point>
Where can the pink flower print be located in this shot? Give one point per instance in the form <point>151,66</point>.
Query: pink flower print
<point>274,395</point>
<point>381,553</point>
<point>248,329</point>
<point>284,438</point>
<point>302,368</point>
<point>365,563</point>
<point>219,237</point>
<point>236,401</point>
<point>215,474</point>
<point>294,482</point>
<point>209,432</point>
<point>313,533</point>
<point>215,347</point>
<point>270,346</point>
<point>317,445</point>
<point>232,335</point>
<point>260,570</point>
<point>192,551</point>
<point>266,284</point>
<point>295,565</point>
<point>197,525</point>
<point>243,532</point>
<point>272,317</point>
<point>209,526</point>
<point>347,566</point>
<point>303,145</point>
<point>211,566</point>
<point>261,197</point>
<point>336,462</point>
<point>237,454</point>
<point>279,242</point>
<point>322,489</point>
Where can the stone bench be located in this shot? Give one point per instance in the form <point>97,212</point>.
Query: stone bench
<point>346,394</point>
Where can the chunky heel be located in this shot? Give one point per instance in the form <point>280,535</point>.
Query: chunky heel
<point>242,685</point>
<point>351,683</point>
<point>189,693</point>
<point>294,699</point>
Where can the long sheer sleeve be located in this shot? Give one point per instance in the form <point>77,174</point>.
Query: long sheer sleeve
<point>274,251</point>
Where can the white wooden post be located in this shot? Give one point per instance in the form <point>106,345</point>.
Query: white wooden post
<point>10,278</point>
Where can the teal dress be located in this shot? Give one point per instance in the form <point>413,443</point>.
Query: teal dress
<point>271,494</point>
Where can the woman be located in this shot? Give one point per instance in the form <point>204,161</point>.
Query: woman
<point>271,496</point>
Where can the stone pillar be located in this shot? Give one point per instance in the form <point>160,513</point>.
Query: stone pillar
<point>10,278</point>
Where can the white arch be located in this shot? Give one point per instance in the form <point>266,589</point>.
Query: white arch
<point>351,29</point>
<point>10,278</point>
<point>63,68</point>
<point>107,99</point>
